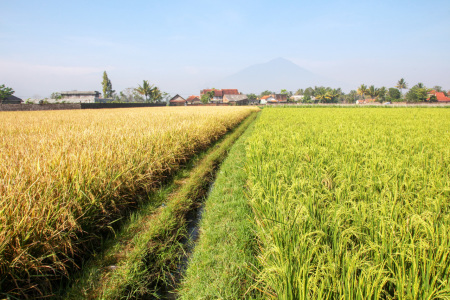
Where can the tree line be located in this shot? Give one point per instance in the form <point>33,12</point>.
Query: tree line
<point>148,93</point>
<point>321,94</point>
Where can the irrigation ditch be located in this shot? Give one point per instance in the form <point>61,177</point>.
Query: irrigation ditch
<point>146,259</point>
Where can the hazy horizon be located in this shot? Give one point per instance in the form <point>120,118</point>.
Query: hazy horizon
<point>53,46</point>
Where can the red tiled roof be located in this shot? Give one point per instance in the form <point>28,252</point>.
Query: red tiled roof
<point>230,92</point>
<point>191,98</point>
<point>217,93</point>
<point>265,97</point>
<point>220,93</point>
<point>440,96</point>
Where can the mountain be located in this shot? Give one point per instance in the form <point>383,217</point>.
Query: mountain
<point>274,75</point>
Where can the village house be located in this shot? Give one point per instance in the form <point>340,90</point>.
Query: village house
<point>11,100</point>
<point>274,98</point>
<point>297,98</point>
<point>218,94</point>
<point>281,98</point>
<point>193,100</point>
<point>80,96</point>
<point>440,96</point>
<point>253,101</point>
<point>235,99</point>
<point>177,100</point>
<point>267,98</point>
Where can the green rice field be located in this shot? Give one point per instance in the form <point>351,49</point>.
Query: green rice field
<point>226,203</point>
<point>351,203</point>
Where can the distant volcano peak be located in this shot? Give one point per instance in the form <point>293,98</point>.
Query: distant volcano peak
<point>274,75</point>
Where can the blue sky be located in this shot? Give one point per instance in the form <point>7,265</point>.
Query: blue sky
<point>49,46</point>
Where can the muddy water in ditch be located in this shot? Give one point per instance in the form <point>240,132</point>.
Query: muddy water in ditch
<point>193,219</point>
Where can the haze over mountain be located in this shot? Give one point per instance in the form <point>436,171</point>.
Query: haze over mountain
<point>275,75</point>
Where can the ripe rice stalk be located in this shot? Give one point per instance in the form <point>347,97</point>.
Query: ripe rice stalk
<point>65,176</point>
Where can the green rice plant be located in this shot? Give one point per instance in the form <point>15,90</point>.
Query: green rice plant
<point>67,176</point>
<point>352,203</point>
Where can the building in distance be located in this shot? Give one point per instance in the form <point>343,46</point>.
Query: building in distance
<point>218,94</point>
<point>11,99</point>
<point>177,100</point>
<point>80,96</point>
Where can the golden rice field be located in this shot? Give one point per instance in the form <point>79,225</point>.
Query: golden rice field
<point>352,203</point>
<point>66,175</point>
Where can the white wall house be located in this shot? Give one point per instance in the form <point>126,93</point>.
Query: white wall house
<point>80,96</point>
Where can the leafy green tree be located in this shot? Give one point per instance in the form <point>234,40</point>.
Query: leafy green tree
<point>206,97</point>
<point>5,92</point>
<point>417,93</point>
<point>362,90</point>
<point>306,99</point>
<point>351,97</point>
<point>108,92</point>
<point>437,88</point>
<point>252,96</point>
<point>309,92</point>
<point>266,93</point>
<point>299,92</point>
<point>382,94</point>
<point>401,84</point>
<point>55,96</point>
<point>288,94</point>
<point>146,90</point>
<point>123,97</point>
<point>166,97</point>
<point>393,95</point>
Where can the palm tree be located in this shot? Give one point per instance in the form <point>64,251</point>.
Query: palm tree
<point>373,92</point>
<point>321,94</point>
<point>146,90</point>
<point>299,92</point>
<point>156,94</point>
<point>401,84</point>
<point>333,95</point>
<point>362,90</point>
<point>420,85</point>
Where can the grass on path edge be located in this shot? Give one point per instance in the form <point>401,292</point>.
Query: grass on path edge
<point>223,263</point>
